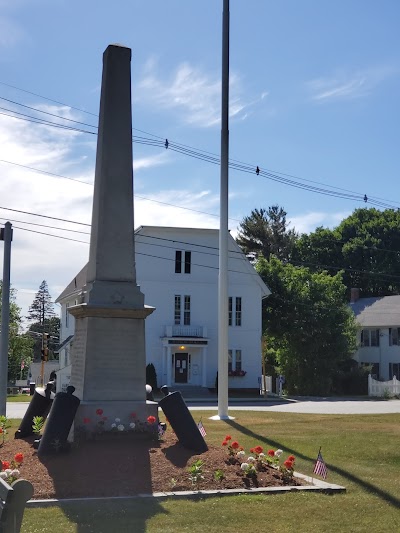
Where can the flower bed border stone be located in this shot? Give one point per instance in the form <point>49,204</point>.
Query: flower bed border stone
<point>316,485</point>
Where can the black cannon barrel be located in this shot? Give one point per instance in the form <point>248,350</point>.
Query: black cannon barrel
<point>40,405</point>
<point>59,423</point>
<point>178,415</point>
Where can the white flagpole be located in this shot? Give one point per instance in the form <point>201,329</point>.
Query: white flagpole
<point>223,230</point>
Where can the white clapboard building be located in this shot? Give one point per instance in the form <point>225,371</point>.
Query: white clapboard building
<point>177,271</point>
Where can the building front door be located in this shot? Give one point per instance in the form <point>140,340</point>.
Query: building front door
<point>181,367</point>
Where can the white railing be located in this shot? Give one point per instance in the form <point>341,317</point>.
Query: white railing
<point>185,331</point>
<point>383,388</point>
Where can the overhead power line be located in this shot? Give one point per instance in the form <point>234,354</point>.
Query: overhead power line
<point>282,178</point>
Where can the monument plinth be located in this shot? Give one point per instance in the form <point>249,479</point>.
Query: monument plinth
<point>108,353</point>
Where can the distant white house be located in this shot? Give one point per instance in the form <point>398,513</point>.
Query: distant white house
<point>177,271</point>
<point>378,338</point>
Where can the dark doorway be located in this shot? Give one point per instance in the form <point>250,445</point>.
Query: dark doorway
<point>181,367</point>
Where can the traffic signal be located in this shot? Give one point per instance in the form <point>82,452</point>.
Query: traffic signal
<point>45,349</point>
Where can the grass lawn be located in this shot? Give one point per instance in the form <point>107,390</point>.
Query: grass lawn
<point>362,453</point>
<point>18,398</point>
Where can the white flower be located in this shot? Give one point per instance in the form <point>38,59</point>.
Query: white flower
<point>241,453</point>
<point>132,425</point>
<point>244,466</point>
<point>251,459</point>
<point>261,454</point>
<point>3,475</point>
<point>278,453</point>
<point>117,420</point>
<point>8,471</point>
<point>16,473</point>
<point>113,425</point>
<point>121,427</point>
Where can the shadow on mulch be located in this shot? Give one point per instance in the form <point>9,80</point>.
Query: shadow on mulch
<point>178,455</point>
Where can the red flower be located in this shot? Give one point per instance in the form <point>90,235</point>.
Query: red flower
<point>235,445</point>
<point>19,458</point>
<point>225,443</point>
<point>133,415</point>
<point>288,464</point>
<point>99,412</point>
<point>228,437</point>
<point>241,448</point>
<point>251,450</point>
<point>258,449</point>
<point>5,465</point>
<point>271,453</point>
<point>86,420</point>
<point>1,430</point>
<point>291,458</point>
<point>151,419</point>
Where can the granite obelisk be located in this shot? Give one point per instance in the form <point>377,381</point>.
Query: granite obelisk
<point>108,353</point>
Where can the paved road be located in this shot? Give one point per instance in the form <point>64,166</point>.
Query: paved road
<point>320,406</point>
<point>317,406</point>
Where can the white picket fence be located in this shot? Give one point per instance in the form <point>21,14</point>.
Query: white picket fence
<point>383,388</point>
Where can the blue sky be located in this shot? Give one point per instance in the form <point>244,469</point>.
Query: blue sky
<point>314,91</point>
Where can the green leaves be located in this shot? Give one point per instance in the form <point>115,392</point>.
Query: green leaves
<point>308,325</point>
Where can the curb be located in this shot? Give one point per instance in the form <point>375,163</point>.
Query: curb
<point>316,486</point>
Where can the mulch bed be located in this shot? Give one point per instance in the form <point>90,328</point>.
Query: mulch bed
<point>126,465</point>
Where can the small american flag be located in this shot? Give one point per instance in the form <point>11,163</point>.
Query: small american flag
<point>201,429</point>
<point>320,466</point>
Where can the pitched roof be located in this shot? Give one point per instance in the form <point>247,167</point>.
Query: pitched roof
<point>377,312</point>
<point>75,286</point>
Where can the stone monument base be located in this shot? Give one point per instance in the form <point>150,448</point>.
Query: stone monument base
<point>115,416</point>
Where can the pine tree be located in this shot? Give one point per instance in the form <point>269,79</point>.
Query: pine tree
<point>42,308</point>
<point>265,232</point>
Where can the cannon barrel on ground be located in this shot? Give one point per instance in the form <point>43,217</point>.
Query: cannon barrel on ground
<point>181,421</point>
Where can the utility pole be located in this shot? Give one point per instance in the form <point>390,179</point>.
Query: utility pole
<point>223,229</point>
<point>6,236</point>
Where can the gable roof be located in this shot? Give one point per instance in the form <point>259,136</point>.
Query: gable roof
<point>377,312</point>
<point>75,286</point>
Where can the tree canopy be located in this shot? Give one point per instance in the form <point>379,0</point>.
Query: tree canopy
<point>309,326</point>
<point>365,245</point>
<point>20,345</point>
<point>265,232</point>
<point>42,308</point>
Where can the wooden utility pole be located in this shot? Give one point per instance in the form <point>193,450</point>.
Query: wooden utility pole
<point>6,236</point>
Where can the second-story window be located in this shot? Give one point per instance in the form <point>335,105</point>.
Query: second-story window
<point>183,262</point>
<point>182,315</point>
<point>235,311</point>
<point>394,337</point>
<point>66,316</point>
<point>238,312</point>
<point>186,312</point>
<point>177,309</point>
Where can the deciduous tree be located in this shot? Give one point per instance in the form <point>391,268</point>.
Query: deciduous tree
<point>308,324</point>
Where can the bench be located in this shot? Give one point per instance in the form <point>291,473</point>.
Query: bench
<point>13,499</point>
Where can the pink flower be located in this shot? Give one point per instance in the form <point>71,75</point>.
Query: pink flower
<point>99,412</point>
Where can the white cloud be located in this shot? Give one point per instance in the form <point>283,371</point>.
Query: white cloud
<point>36,254</point>
<point>308,222</point>
<point>196,94</point>
<point>348,86</point>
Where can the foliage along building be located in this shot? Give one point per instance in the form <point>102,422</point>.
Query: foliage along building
<point>378,337</point>
<point>177,271</point>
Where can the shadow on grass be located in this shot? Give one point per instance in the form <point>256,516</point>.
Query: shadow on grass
<point>113,466</point>
<point>364,484</point>
<point>107,516</point>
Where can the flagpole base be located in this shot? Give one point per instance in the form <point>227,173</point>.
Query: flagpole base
<point>222,417</point>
